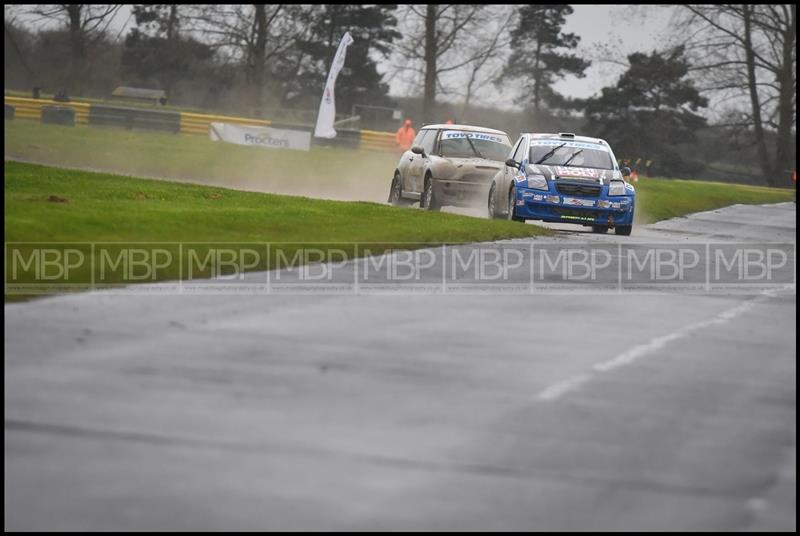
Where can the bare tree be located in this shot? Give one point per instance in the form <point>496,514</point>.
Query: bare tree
<point>434,47</point>
<point>159,19</point>
<point>12,32</point>
<point>86,23</point>
<point>489,50</point>
<point>746,54</point>
<point>251,34</point>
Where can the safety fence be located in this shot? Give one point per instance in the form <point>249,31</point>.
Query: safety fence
<point>192,123</point>
<point>32,108</point>
<point>81,113</point>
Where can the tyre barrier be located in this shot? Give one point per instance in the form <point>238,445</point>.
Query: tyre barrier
<point>26,108</point>
<point>183,122</point>
<point>58,115</point>
<point>349,139</point>
<point>372,140</point>
<point>192,123</point>
<point>134,118</point>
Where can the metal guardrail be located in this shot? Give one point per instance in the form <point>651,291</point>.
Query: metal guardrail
<point>184,122</point>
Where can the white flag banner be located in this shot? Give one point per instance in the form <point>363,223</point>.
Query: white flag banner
<point>327,106</point>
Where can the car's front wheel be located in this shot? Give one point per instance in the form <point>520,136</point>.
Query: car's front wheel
<point>492,203</point>
<point>512,204</point>
<point>396,193</point>
<point>623,230</point>
<point>429,200</point>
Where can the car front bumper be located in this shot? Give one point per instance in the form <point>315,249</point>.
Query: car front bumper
<point>556,207</point>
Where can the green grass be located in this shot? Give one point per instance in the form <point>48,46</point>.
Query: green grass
<point>660,199</point>
<point>112,208</point>
<point>44,204</point>
<point>322,172</point>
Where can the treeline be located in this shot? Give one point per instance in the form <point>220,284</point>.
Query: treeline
<point>733,63</point>
<point>240,58</point>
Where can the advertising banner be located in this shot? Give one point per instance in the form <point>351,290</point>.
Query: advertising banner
<point>274,138</point>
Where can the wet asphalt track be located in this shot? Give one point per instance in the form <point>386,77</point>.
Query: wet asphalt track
<point>666,411</point>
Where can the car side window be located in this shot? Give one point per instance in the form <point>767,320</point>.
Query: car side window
<point>514,149</point>
<point>519,154</point>
<point>418,139</point>
<point>429,141</point>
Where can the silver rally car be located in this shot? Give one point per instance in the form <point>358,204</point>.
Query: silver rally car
<point>449,165</point>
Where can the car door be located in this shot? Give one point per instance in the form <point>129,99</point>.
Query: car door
<point>405,166</point>
<point>416,163</point>
<point>428,144</point>
<point>509,173</point>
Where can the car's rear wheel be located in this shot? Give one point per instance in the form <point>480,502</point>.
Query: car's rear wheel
<point>600,229</point>
<point>512,204</point>
<point>428,199</point>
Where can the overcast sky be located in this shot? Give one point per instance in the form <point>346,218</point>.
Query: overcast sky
<point>626,28</point>
<point>608,33</point>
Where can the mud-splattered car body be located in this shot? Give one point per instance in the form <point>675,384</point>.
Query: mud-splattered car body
<point>564,178</point>
<point>449,165</point>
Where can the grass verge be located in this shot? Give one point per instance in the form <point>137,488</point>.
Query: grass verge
<point>660,199</point>
<point>102,207</point>
<point>323,172</point>
<point>44,204</point>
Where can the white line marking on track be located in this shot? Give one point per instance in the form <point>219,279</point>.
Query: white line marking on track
<point>558,389</point>
<point>653,345</point>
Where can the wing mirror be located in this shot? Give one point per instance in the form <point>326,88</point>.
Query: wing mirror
<point>512,163</point>
<point>626,171</point>
<point>418,150</point>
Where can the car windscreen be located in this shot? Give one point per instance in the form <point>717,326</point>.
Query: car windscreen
<point>459,143</point>
<point>570,153</point>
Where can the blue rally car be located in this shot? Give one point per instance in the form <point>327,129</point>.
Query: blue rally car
<point>564,178</point>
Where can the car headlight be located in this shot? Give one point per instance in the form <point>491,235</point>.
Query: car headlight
<point>616,188</point>
<point>537,182</point>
